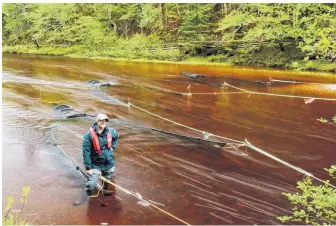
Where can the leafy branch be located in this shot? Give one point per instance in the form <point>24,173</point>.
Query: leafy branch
<point>327,122</point>
<point>10,218</point>
<point>313,204</point>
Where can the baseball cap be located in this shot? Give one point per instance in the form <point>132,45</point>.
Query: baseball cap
<point>101,116</point>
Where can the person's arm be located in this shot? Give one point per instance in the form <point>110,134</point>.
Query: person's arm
<point>115,137</point>
<point>86,146</point>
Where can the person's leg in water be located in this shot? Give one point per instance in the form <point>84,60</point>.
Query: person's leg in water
<point>93,182</point>
<point>108,175</point>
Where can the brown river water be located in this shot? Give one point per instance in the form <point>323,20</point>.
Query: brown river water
<point>196,181</point>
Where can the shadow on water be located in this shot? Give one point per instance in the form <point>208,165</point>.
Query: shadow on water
<point>196,181</point>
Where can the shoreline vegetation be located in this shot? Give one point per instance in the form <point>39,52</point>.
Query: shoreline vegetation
<point>301,37</point>
<point>86,53</point>
<point>72,52</point>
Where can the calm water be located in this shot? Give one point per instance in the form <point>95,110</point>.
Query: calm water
<point>196,181</point>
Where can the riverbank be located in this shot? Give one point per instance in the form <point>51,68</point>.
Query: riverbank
<point>264,59</point>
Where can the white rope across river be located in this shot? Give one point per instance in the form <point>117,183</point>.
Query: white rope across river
<point>242,143</point>
<point>294,82</point>
<point>279,95</point>
<point>225,84</point>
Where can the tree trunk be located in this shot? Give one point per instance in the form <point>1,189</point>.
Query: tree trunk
<point>142,13</point>
<point>37,45</point>
<point>164,14</point>
<point>282,48</point>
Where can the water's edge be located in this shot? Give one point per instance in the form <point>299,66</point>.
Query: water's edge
<point>282,73</point>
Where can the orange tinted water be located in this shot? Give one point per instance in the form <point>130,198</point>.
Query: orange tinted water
<point>195,181</point>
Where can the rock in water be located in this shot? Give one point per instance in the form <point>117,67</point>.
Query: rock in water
<point>92,82</point>
<point>193,75</point>
<point>76,203</point>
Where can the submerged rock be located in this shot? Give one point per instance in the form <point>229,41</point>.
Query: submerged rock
<point>193,75</point>
<point>77,115</point>
<point>76,203</point>
<point>63,107</point>
<point>92,82</point>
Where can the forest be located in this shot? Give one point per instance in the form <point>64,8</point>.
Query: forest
<point>297,36</point>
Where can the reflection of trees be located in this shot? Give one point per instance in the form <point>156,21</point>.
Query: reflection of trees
<point>49,67</point>
<point>30,94</point>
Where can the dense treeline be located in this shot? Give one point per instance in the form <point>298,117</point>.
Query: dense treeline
<point>284,35</point>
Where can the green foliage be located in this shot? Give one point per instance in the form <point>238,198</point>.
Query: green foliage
<point>313,204</point>
<point>151,17</point>
<point>327,122</point>
<point>313,26</point>
<point>313,65</point>
<point>322,120</point>
<point>332,171</point>
<point>9,218</point>
<point>319,37</point>
<point>54,24</point>
<point>196,21</point>
<point>128,18</point>
<point>16,23</point>
<point>301,36</point>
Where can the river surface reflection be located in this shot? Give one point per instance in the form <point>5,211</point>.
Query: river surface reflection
<point>196,181</point>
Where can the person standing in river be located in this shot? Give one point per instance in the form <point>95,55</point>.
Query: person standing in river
<point>99,143</point>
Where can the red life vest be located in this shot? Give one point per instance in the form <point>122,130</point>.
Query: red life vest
<point>95,140</point>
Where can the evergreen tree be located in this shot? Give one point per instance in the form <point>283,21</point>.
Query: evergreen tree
<point>195,21</point>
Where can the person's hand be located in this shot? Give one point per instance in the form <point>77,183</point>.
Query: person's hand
<point>89,172</point>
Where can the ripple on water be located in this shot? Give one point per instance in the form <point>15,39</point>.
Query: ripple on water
<point>193,179</point>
